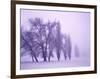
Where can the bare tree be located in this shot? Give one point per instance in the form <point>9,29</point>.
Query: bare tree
<point>50,39</point>
<point>28,44</point>
<point>42,33</point>
<point>39,33</point>
<point>65,46</point>
<point>76,51</point>
<point>69,47</point>
<point>58,40</point>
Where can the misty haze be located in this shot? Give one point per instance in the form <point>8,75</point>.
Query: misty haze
<point>54,39</point>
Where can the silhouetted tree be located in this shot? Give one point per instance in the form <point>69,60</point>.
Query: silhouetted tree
<point>42,33</point>
<point>28,44</point>
<point>58,40</point>
<point>50,38</point>
<point>65,46</point>
<point>76,49</point>
<point>69,48</point>
<point>39,32</point>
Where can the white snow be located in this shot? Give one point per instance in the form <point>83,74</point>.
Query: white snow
<point>74,62</point>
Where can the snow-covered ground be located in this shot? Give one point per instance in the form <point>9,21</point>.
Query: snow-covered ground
<point>74,62</point>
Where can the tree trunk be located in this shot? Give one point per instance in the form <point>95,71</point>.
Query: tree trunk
<point>32,59</point>
<point>58,56</point>
<point>49,56</point>
<point>35,58</point>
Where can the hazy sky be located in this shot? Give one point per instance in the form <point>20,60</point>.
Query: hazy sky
<point>77,24</point>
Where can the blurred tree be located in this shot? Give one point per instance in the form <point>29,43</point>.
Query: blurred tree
<point>76,51</point>
<point>69,48</point>
<point>50,39</point>
<point>58,40</point>
<point>65,46</point>
<point>42,33</point>
<point>27,44</point>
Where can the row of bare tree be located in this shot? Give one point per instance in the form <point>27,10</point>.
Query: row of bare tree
<point>45,39</point>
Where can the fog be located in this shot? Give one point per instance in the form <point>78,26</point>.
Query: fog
<point>75,24</point>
